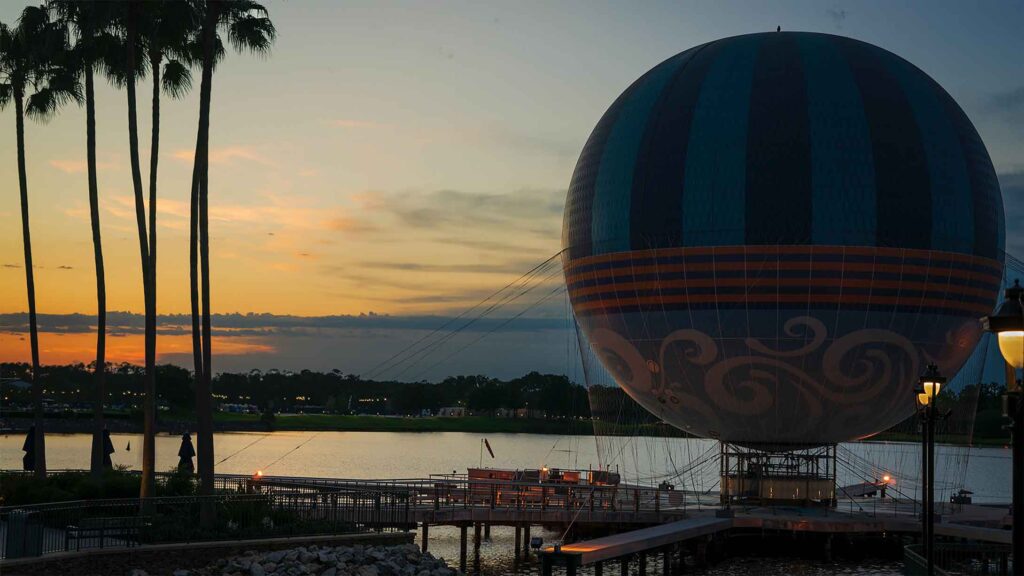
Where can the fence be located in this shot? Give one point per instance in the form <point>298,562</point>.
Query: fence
<point>46,528</point>
<point>960,558</point>
<point>451,493</point>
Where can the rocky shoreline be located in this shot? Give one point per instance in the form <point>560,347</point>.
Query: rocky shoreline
<point>357,560</point>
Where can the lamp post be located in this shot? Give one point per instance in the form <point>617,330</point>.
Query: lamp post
<point>928,387</point>
<point>1007,323</point>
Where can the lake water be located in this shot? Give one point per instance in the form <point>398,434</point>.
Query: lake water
<point>689,464</point>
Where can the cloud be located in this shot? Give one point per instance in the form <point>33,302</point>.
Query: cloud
<point>7,265</point>
<point>65,267</point>
<point>838,16</point>
<point>514,266</point>
<point>252,324</point>
<point>346,224</point>
<point>78,166</point>
<point>532,143</point>
<point>1012,184</point>
<point>352,123</point>
<point>228,155</point>
<point>1008,101</point>
<point>457,210</point>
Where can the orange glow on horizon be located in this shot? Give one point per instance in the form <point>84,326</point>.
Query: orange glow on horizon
<point>72,348</point>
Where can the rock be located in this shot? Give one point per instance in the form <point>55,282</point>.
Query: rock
<point>326,557</point>
<point>138,572</point>
<point>291,555</point>
<point>370,570</point>
<point>181,573</point>
<point>275,556</point>
<point>255,569</point>
<point>306,557</point>
<point>269,567</point>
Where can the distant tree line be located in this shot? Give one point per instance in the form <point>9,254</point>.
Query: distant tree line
<point>974,409</point>
<point>543,395</point>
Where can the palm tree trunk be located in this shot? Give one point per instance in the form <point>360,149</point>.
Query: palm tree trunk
<point>154,154</point>
<point>201,338</point>
<point>149,390</point>
<point>101,287</point>
<point>30,282</point>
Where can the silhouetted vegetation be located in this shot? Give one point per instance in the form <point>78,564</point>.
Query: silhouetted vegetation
<point>540,403</point>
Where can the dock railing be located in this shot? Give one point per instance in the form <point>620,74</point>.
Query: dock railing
<point>961,558</point>
<point>39,529</point>
<point>449,493</point>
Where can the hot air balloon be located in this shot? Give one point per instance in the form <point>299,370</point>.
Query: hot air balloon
<point>767,237</point>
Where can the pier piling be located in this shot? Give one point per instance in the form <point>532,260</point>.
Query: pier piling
<point>519,541</point>
<point>476,548</point>
<point>462,548</point>
<point>425,537</point>
<point>526,542</point>
<point>641,568</point>
<point>624,566</point>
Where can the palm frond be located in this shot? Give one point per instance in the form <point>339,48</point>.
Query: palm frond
<point>6,91</point>
<point>176,79</point>
<point>44,104</point>
<point>252,33</point>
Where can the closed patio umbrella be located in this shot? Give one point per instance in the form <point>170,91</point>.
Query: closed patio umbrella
<point>108,449</point>
<point>185,454</point>
<point>29,461</point>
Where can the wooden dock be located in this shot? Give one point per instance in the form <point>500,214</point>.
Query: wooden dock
<point>629,543</point>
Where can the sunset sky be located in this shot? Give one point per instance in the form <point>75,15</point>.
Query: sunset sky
<point>407,159</point>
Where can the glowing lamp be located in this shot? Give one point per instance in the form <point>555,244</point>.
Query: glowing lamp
<point>885,478</point>
<point>1007,323</point>
<point>259,474</point>
<point>929,385</point>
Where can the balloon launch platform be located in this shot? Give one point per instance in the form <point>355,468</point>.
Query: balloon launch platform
<point>601,519</point>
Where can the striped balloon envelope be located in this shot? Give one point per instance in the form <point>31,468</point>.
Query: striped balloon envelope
<point>768,236</point>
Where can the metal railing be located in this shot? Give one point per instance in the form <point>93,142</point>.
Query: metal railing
<point>57,527</point>
<point>450,494</point>
<point>960,558</point>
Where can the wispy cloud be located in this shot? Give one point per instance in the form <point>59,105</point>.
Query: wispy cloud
<point>455,209</point>
<point>838,16</point>
<point>235,325</point>
<point>1012,184</point>
<point>228,155</point>
<point>1008,101</point>
<point>78,166</point>
<point>514,266</point>
<point>353,123</point>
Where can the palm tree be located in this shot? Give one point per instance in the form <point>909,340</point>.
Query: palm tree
<point>89,22</point>
<point>247,26</point>
<point>167,28</point>
<point>157,36</point>
<point>30,60</point>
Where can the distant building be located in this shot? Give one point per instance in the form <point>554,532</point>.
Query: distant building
<point>452,411</point>
<point>240,408</point>
<point>531,413</point>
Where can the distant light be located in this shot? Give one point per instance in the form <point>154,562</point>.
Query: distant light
<point>259,474</point>
<point>886,478</point>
